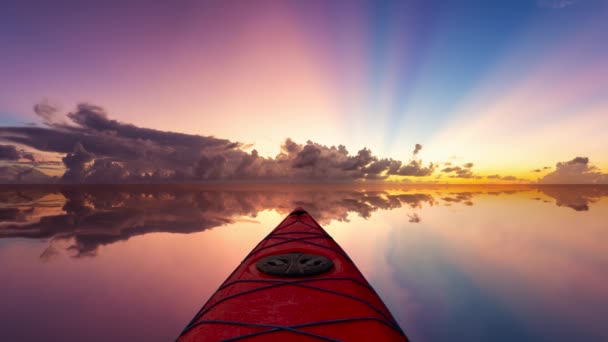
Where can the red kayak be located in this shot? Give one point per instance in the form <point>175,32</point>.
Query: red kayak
<point>296,285</point>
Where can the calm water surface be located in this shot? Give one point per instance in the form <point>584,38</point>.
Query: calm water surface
<point>452,263</point>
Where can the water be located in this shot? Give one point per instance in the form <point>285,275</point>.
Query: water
<point>451,262</point>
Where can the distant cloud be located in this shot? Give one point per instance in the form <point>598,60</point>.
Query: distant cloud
<point>511,178</point>
<point>555,3</point>
<point>22,174</point>
<point>507,178</point>
<point>463,171</point>
<point>8,152</point>
<point>575,171</point>
<point>98,149</point>
<point>75,163</point>
<point>49,113</point>
<point>413,218</point>
<point>11,153</point>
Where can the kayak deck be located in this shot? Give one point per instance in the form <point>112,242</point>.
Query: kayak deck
<point>297,284</point>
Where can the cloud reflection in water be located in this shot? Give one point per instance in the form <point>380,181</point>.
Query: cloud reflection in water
<point>480,262</point>
<point>93,216</point>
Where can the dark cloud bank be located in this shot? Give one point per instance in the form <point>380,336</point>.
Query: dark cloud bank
<point>10,152</point>
<point>92,148</point>
<point>100,150</point>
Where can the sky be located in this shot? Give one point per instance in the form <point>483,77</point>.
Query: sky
<point>491,91</point>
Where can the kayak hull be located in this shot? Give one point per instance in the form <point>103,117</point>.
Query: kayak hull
<point>284,290</point>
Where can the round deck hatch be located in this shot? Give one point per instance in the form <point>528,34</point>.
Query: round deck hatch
<point>294,265</point>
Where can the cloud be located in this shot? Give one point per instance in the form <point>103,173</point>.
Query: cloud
<point>75,163</point>
<point>463,171</point>
<point>413,218</point>
<point>97,149</point>
<point>575,171</point>
<point>48,113</point>
<point>314,161</point>
<point>541,169</point>
<point>8,152</point>
<point>555,4</point>
<point>22,174</point>
<point>13,170</point>
<point>510,178</point>
<point>507,178</point>
<point>413,168</point>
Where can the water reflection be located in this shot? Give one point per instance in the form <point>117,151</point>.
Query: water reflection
<point>93,216</point>
<point>452,262</point>
<point>527,266</point>
<point>577,197</point>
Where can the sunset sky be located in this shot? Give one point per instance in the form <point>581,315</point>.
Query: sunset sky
<point>493,91</point>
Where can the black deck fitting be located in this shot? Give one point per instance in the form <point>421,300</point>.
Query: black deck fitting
<point>298,212</point>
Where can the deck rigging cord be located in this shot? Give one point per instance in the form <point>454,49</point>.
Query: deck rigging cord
<point>304,283</point>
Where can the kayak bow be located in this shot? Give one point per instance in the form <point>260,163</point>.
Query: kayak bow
<point>297,284</point>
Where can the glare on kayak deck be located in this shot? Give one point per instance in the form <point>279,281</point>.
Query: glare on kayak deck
<point>481,263</point>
